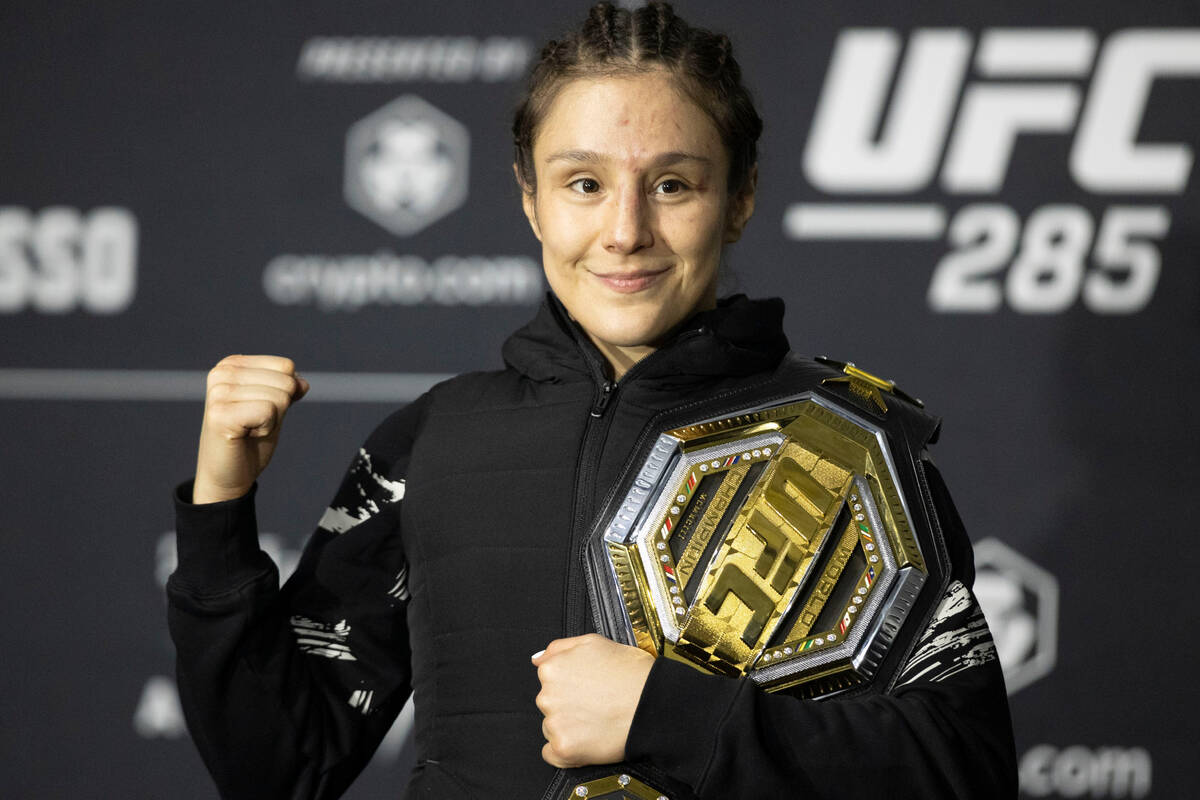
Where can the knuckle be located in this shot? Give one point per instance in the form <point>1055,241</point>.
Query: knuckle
<point>222,373</point>
<point>220,392</point>
<point>565,746</point>
<point>220,411</point>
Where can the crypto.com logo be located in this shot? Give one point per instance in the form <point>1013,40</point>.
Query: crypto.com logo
<point>1020,601</point>
<point>406,165</point>
<point>1025,81</point>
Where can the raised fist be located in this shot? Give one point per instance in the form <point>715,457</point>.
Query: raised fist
<point>244,406</point>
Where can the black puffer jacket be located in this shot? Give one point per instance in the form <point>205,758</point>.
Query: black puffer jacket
<point>451,552</point>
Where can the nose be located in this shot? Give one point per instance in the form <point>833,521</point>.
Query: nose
<point>628,227</point>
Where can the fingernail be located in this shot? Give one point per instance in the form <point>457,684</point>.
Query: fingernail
<point>535,655</point>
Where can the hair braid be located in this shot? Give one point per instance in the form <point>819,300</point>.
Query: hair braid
<point>600,34</point>
<point>664,16</point>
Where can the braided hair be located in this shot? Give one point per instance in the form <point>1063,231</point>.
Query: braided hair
<point>614,42</point>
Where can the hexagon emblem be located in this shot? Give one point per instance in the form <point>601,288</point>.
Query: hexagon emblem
<point>1020,601</point>
<point>782,543</point>
<point>406,165</point>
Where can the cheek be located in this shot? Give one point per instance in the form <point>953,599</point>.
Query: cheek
<point>698,235</point>
<point>563,235</point>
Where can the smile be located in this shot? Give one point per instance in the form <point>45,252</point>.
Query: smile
<point>630,282</point>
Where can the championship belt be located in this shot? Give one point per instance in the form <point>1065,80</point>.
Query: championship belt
<point>791,543</point>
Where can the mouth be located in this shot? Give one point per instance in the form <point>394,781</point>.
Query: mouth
<point>630,281</point>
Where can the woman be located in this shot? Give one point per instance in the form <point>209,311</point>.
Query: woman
<point>451,552</point>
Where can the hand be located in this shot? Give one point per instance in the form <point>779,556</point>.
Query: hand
<point>244,405</point>
<point>590,691</point>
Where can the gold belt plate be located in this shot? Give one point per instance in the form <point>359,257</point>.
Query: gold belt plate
<point>774,544</point>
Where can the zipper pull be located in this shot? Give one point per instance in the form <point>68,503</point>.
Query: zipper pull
<point>602,401</point>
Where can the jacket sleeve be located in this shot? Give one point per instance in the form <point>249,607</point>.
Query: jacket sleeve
<point>943,731</point>
<point>288,691</point>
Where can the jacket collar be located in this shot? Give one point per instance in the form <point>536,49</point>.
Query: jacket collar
<point>738,337</point>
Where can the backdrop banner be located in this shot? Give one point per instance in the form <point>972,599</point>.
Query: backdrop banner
<point>995,204</point>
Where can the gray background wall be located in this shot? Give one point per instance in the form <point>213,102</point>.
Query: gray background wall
<point>332,182</point>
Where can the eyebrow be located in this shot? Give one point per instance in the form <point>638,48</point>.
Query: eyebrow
<point>658,162</point>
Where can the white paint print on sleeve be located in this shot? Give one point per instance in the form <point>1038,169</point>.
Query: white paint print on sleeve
<point>373,489</point>
<point>323,638</point>
<point>361,699</point>
<point>399,590</point>
<point>957,639</point>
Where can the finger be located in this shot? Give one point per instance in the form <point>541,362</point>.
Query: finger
<point>561,645</point>
<point>551,756</point>
<point>236,393</point>
<point>253,418</point>
<point>250,376</point>
<point>275,363</point>
<point>536,657</point>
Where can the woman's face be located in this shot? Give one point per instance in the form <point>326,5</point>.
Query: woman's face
<point>631,208</point>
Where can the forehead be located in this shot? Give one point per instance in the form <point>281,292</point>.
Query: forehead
<point>627,118</point>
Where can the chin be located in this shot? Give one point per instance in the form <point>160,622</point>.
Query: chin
<point>633,328</point>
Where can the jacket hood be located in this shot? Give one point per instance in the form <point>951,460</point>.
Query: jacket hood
<point>739,337</point>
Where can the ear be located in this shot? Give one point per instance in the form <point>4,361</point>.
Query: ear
<point>741,207</point>
<point>528,202</point>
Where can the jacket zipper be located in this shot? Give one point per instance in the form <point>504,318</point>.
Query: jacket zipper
<point>593,435</point>
<point>606,392</point>
<point>583,478</point>
<point>597,424</point>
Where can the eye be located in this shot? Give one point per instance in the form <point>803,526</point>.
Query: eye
<point>585,185</point>
<point>670,186</point>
